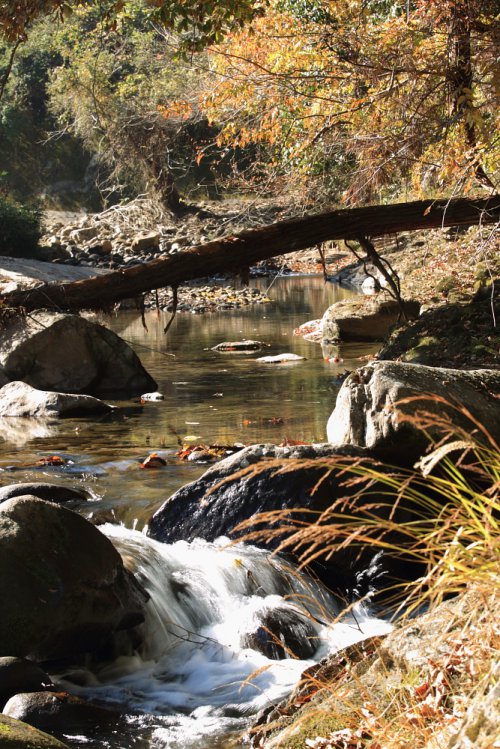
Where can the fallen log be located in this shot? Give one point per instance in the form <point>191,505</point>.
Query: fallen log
<point>248,247</point>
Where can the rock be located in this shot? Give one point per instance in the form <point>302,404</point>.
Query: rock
<point>58,713</point>
<point>363,319</point>
<point>63,586</point>
<point>19,399</point>
<point>283,632</point>
<point>152,397</point>
<point>220,499</point>
<point>50,492</point>
<point>365,413</point>
<point>82,235</point>
<point>17,735</point>
<point>146,241</point>
<point>68,353</point>
<point>310,331</point>
<point>238,346</point>
<point>20,675</point>
<point>280,358</point>
<point>18,273</point>
<point>481,724</point>
<point>370,285</point>
<point>3,378</point>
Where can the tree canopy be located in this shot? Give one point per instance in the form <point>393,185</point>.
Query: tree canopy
<point>201,21</point>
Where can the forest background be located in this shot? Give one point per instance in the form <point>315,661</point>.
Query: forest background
<point>329,103</point>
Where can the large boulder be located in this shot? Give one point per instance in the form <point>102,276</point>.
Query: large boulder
<point>17,399</point>
<point>302,477</point>
<point>368,413</point>
<point>21,675</point>
<point>71,354</point>
<point>14,734</point>
<point>363,318</point>
<point>59,713</point>
<point>63,586</point>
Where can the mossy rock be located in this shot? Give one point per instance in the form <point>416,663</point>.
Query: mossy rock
<point>14,734</point>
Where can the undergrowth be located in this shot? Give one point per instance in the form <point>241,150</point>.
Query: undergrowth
<point>412,690</point>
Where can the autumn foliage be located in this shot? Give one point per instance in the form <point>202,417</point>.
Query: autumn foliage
<point>358,97</point>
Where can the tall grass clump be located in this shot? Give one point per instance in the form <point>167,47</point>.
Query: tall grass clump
<point>450,505</point>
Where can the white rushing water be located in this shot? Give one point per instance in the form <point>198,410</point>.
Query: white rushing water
<point>199,674</point>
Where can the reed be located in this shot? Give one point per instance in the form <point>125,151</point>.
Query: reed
<point>450,501</point>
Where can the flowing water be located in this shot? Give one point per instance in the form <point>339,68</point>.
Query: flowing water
<point>204,666</point>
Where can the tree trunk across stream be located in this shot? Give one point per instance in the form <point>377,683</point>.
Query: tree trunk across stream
<point>238,252</point>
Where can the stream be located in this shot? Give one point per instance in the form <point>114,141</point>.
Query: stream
<point>199,675</point>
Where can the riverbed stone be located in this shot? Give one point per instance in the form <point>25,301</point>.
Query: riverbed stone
<point>58,713</point>
<point>282,632</point>
<point>238,346</point>
<point>71,354</point>
<point>368,412</point>
<point>18,399</point>
<point>14,734</point>
<point>21,675</point>
<point>63,586</point>
<point>146,241</point>
<point>44,490</point>
<point>363,318</point>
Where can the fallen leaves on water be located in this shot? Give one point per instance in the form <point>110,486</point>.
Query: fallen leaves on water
<point>51,460</point>
<point>153,461</point>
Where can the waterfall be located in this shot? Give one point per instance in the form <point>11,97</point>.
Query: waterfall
<point>229,629</point>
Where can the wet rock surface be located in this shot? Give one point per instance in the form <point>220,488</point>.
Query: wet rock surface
<point>63,586</point>
<point>222,497</point>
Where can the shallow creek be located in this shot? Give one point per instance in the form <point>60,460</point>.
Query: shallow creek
<point>191,684</point>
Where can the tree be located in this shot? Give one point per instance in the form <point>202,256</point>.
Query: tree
<point>364,98</point>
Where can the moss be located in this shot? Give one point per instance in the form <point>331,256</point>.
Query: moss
<point>446,284</point>
<point>320,723</point>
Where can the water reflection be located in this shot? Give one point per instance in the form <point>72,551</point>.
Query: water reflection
<point>210,398</point>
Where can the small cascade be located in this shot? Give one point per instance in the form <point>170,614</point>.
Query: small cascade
<point>228,631</point>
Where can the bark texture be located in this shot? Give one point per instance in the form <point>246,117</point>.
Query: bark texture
<point>246,248</point>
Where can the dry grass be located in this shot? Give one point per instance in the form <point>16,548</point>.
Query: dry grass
<point>413,690</point>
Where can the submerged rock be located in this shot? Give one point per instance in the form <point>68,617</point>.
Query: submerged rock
<point>368,413</point>
<point>63,586</point>
<point>363,319</point>
<point>17,399</point>
<point>71,354</point>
